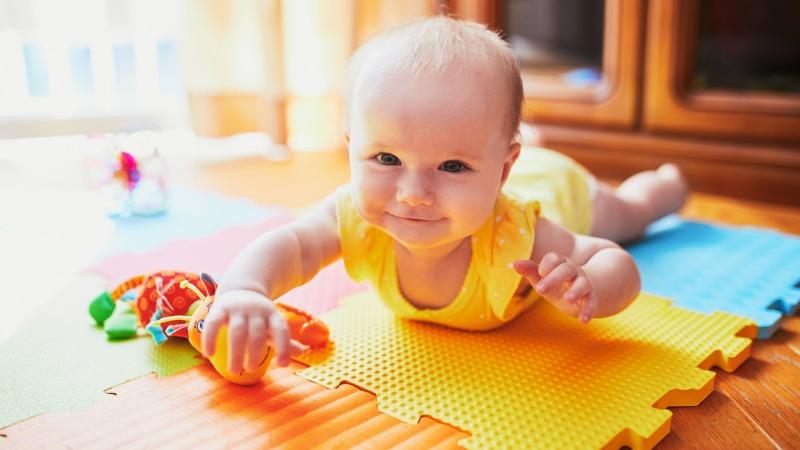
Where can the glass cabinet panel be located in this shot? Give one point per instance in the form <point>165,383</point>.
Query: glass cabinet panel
<point>557,41</point>
<point>746,45</point>
<point>579,59</point>
<point>724,68</point>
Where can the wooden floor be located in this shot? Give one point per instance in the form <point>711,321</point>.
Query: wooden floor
<point>756,407</point>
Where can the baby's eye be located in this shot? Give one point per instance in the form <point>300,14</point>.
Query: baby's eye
<point>387,159</point>
<point>453,166</point>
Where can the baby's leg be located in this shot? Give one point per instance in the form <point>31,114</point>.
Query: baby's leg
<point>622,214</point>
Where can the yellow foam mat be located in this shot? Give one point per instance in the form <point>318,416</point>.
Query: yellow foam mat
<point>542,381</point>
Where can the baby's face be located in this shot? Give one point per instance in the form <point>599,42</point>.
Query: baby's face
<point>428,156</point>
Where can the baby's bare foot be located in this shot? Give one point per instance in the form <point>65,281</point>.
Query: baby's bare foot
<point>674,188</point>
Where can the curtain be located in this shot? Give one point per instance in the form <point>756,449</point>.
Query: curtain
<point>278,66</point>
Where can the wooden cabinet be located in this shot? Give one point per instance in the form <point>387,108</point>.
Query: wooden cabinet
<point>650,105</point>
<point>671,105</point>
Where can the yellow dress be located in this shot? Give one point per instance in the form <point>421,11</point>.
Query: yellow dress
<point>487,298</point>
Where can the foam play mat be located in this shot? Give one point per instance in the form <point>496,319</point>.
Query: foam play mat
<point>199,409</point>
<point>191,213</point>
<point>542,381</point>
<point>210,253</point>
<point>61,360</point>
<point>213,253</point>
<point>750,272</point>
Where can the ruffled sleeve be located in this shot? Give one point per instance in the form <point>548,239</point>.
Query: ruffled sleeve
<point>503,240</point>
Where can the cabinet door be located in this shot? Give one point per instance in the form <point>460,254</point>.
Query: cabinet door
<point>580,61</point>
<point>724,69</point>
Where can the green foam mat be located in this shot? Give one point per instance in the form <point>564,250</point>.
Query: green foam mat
<point>61,360</point>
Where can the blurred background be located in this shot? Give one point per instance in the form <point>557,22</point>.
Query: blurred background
<point>621,85</point>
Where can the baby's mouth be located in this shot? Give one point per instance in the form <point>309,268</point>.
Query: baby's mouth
<point>414,218</point>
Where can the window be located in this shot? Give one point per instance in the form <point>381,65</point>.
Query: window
<point>89,65</point>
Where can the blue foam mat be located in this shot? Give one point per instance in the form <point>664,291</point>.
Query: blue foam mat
<point>191,213</point>
<point>751,272</point>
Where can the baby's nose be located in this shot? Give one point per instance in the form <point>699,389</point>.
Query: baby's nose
<point>415,190</point>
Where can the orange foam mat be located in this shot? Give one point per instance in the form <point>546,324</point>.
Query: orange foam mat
<point>542,381</point>
<point>198,409</point>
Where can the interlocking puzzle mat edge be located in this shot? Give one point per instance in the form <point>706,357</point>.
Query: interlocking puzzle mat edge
<point>60,360</point>
<point>705,267</point>
<point>724,340</point>
<point>207,411</point>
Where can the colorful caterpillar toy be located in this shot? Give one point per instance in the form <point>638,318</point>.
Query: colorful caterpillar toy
<point>170,304</point>
<point>146,298</point>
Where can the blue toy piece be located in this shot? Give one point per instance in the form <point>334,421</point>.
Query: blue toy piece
<point>750,272</point>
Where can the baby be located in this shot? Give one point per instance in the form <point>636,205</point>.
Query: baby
<point>446,215</point>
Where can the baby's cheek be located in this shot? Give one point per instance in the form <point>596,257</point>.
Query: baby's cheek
<point>474,209</point>
<point>373,187</point>
<point>368,205</point>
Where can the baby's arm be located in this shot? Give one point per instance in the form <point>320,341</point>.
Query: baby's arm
<point>274,263</point>
<point>582,276</point>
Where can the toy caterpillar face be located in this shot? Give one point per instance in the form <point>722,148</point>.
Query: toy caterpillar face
<point>197,322</point>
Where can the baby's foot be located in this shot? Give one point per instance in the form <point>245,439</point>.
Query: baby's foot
<point>673,189</point>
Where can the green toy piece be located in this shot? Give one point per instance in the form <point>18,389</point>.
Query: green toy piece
<point>101,308</point>
<point>123,324</point>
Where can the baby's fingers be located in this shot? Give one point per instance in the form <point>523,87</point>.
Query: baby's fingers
<point>296,348</point>
<point>560,275</point>
<point>256,341</point>
<point>589,309</point>
<point>549,262</point>
<point>579,289</point>
<point>211,326</point>
<point>280,337</point>
<point>237,333</point>
<point>527,269</point>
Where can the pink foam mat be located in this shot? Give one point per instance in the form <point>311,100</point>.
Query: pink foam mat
<point>213,253</point>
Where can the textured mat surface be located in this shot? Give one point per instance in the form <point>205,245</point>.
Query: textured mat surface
<point>750,272</point>
<point>542,381</point>
<point>199,409</point>
<point>60,360</point>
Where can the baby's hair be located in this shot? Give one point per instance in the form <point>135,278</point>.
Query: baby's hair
<point>429,46</point>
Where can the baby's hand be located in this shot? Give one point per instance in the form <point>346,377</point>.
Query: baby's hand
<point>563,283</point>
<point>252,320</point>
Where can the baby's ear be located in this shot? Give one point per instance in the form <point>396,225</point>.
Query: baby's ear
<point>513,153</point>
